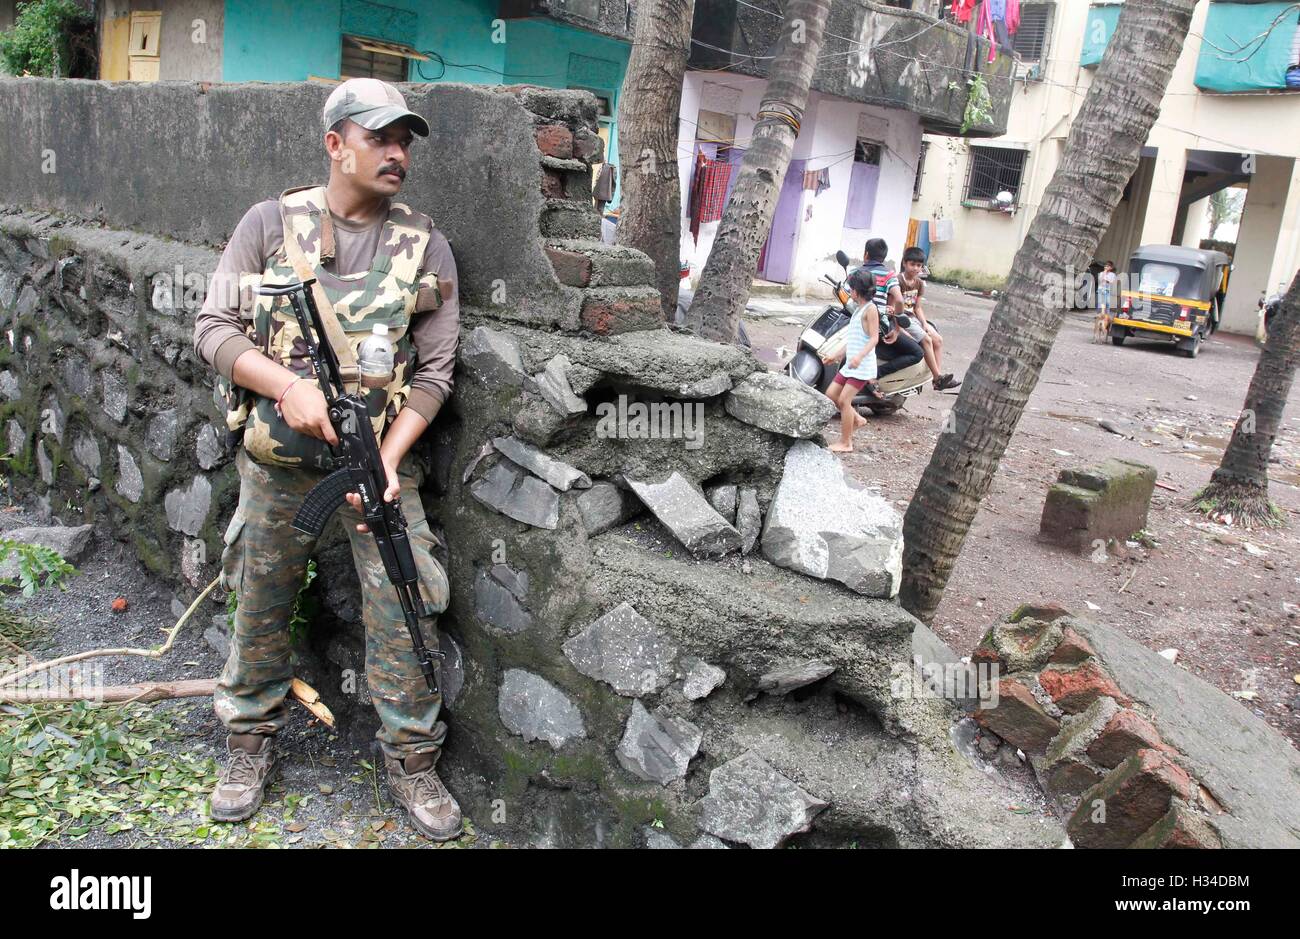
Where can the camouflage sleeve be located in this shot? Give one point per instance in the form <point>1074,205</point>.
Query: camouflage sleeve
<point>219,336</point>
<point>435,329</point>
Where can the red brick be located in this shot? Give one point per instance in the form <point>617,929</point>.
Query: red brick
<point>1073,689</point>
<point>1072,650</point>
<point>1180,828</point>
<point>1044,612</point>
<point>555,140</point>
<point>1125,734</point>
<point>606,316</point>
<point>570,267</point>
<point>1018,718</point>
<point>1135,795</point>
<point>552,183</point>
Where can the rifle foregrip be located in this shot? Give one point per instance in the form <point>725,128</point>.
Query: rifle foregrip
<point>323,501</point>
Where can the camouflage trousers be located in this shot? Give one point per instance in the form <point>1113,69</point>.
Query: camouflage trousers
<point>264,562</point>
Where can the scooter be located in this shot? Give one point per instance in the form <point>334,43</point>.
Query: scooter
<point>825,338</point>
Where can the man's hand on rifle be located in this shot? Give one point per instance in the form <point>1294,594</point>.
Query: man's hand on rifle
<point>392,492</point>
<point>304,410</point>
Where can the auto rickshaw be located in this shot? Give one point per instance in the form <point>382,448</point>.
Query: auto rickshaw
<point>1174,294</point>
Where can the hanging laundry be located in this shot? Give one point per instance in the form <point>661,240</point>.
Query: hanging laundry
<point>708,192</point>
<point>1013,16</point>
<point>961,10</point>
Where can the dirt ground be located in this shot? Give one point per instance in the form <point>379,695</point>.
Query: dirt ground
<point>1227,599</point>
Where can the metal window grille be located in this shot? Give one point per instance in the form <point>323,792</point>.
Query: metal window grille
<point>866,152</point>
<point>1030,41</point>
<point>920,170</point>
<point>992,170</point>
<point>362,63</point>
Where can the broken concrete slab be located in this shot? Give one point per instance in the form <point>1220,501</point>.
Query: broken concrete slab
<point>751,803</point>
<point>780,404</point>
<point>558,474</point>
<point>657,747</point>
<point>507,488</point>
<point>624,650</point>
<point>823,524</point>
<point>533,708</point>
<point>687,514</point>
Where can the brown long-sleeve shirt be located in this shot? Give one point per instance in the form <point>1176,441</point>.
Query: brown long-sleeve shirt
<point>219,335</point>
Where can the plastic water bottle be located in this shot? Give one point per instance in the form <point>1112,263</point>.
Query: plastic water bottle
<point>375,358</point>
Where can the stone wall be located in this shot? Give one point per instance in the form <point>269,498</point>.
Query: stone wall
<point>671,617</point>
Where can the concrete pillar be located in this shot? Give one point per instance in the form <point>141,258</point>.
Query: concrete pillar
<point>1286,256</point>
<point>1262,241</point>
<point>1162,201</point>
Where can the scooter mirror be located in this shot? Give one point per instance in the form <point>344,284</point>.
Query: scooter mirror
<point>843,259</point>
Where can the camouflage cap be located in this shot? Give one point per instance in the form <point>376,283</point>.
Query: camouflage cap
<point>372,104</point>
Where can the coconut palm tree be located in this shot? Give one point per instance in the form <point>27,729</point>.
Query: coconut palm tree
<point>1239,487</point>
<point>650,219</point>
<point>1100,156</point>
<point>724,284</point>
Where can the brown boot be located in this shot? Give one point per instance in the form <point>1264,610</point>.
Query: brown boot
<point>434,812</point>
<point>239,790</point>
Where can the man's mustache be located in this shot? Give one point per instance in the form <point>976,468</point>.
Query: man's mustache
<point>394,168</point>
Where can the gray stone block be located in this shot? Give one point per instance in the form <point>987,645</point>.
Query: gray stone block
<point>657,747</point>
<point>499,599</point>
<point>508,489</point>
<point>533,708</point>
<point>553,385</point>
<point>789,677</point>
<point>557,473</point>
<point>86,451</point>
<point>604,506</point>
<point>493,356</point>
<point>821,523</point>
<point>187,509</point>
<point>687,514</point>
<point>210,447</point>
<point>781,404</point>
<point>130,484</point>
<point>114,395</point>
<point>751,803</point>
<point>701,678</point>
<point>749,519</point>
<point>160,437</point>
<point>624,650</point>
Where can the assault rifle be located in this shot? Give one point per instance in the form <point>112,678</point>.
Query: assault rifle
<point>359,469</point>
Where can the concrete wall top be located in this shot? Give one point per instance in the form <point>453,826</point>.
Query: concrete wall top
<point>185,160</point>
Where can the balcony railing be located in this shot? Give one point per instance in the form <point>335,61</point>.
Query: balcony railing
<point>872,53</point>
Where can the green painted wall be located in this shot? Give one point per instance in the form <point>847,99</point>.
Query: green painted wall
<point>275,40</point>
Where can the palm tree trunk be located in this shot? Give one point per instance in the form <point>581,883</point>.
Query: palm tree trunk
<point>725,282</point>
<point>1239,487</point>
<point>647,120</point>
<point>1100,156</point>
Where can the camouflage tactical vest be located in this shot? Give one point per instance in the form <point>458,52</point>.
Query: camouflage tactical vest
<point>387,293</point>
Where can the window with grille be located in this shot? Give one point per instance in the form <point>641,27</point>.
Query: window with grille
<point>1031,39</point>
<point>866,152</point>
<point>992,170</point>
<point>368,58</point>
<point>920,170</point>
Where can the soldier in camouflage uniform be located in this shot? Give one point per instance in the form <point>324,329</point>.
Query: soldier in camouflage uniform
<point>375,261</point>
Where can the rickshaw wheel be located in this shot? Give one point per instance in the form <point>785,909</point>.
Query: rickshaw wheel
<point>1117,340</point>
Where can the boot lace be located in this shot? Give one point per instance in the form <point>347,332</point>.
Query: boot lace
<point>242,770</point>
<point>427,787</point>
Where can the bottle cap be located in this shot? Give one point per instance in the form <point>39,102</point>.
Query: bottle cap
<point>380,329</point>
